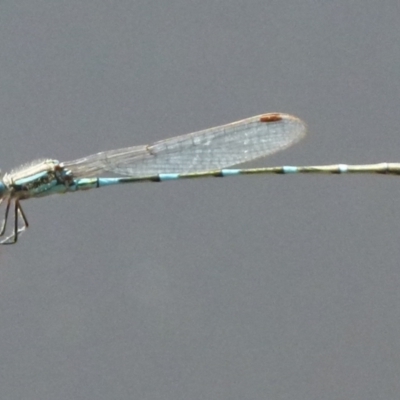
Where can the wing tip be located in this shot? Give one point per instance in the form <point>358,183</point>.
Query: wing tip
<point>277,117</point>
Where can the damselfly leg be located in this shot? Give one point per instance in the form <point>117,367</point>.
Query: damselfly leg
<point>4,222</point>
<point>18,213</point>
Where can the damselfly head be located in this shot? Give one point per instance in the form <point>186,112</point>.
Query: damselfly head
<point>3,189</point>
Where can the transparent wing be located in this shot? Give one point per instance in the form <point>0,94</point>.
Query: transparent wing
<point>210,149</point>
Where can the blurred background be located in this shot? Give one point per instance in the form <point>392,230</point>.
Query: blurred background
<point>266,287</point>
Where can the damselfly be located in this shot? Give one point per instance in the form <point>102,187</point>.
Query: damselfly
<point>196,155</point>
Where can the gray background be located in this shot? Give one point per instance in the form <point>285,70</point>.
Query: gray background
<point>266,287</point>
